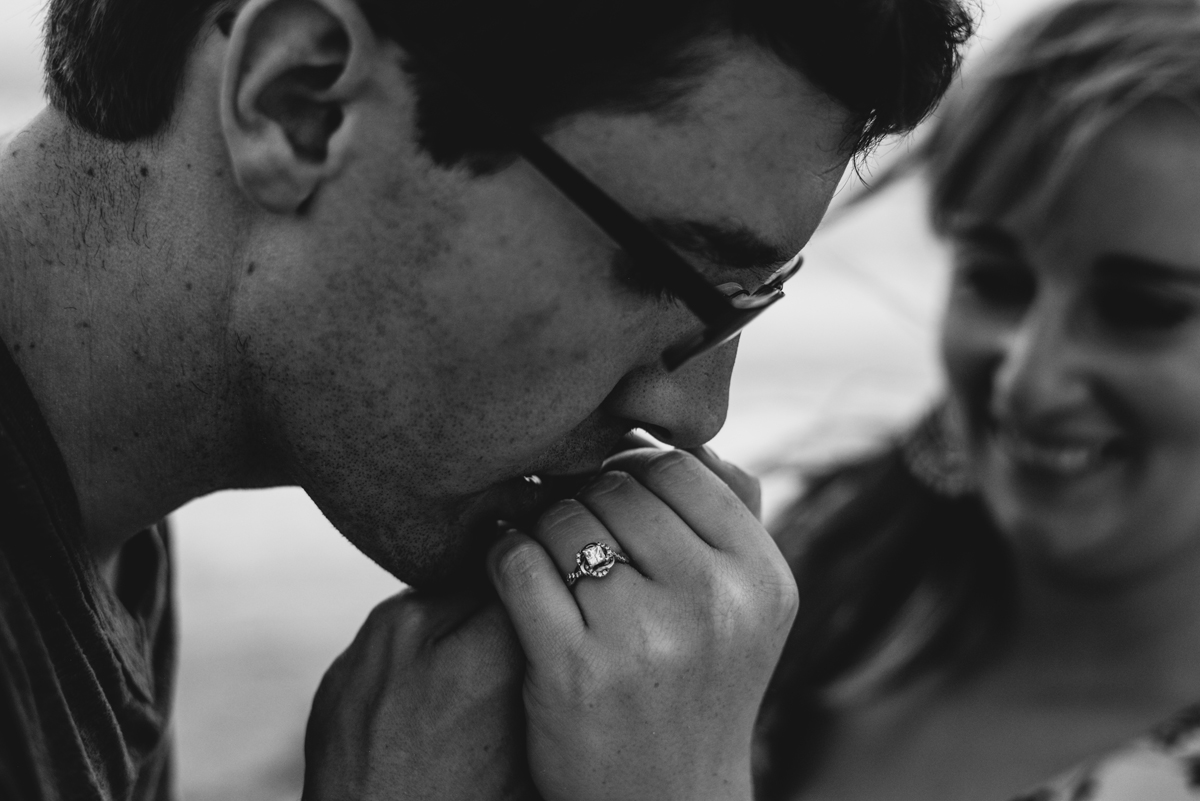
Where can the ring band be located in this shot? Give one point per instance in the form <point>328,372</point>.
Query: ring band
<point>595,559</point>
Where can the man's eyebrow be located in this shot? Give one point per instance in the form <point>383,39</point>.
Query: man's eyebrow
<point>725,245</point>
<point>1130,267</point>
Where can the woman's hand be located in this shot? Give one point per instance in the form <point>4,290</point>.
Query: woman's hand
<point>645,684</point>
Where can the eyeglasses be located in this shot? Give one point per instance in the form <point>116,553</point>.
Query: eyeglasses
<point>724,309</point>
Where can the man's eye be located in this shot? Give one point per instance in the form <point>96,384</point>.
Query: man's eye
<point>1002,285</point>
<point>644,282</point>
<point>1129,308</point>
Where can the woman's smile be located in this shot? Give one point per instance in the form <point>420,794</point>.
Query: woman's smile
<point>1054,479</point>
<point>1074,350</point>
<point>1057,455</point>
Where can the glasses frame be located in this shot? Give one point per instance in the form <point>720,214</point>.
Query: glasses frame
<point>723,315</point>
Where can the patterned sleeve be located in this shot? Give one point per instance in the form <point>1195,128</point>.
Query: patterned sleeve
<point>1162,766</point>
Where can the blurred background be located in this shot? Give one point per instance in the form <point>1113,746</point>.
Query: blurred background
<point>270,593</point>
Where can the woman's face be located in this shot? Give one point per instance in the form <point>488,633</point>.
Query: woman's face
<point>1072,342</point>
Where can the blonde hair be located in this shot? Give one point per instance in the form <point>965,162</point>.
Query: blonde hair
<point>1042,99</point>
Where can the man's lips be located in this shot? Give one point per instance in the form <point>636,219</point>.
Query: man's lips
<point>561,486</point>
<point>524,499</point>
<point>521,501</point>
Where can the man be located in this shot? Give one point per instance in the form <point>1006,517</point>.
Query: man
<point>321,242</point>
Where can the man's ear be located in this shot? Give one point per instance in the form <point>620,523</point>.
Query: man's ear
<point>296,72</point>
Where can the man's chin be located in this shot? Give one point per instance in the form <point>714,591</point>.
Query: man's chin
<point>516,503</point>
<point>462,569</point>
<point>445,549</point>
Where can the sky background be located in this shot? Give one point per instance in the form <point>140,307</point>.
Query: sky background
<point>270,593</point>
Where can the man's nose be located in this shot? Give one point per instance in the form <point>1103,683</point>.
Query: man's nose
<point>685,408</point>
<point>1042,368</point>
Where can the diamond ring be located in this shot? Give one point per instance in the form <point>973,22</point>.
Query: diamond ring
<point>595,559</point>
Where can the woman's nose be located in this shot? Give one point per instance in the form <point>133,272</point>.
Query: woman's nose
<point>1040,368</point>
<point>685,408</point>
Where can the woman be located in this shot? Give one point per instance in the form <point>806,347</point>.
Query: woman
<point>1017,585</point>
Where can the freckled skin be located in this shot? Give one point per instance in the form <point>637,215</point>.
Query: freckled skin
<point>414,340</point>
<point>499,343</point>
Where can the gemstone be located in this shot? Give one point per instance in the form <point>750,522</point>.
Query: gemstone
<point>596,559</point>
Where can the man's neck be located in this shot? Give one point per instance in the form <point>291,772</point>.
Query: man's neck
<point>116,302</point>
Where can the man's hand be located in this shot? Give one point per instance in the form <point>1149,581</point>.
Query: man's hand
<point>424,704</point>
<point>645,684</point>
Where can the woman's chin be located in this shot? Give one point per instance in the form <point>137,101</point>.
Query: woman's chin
<point>1067,521</point>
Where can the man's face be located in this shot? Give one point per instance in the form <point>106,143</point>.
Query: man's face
<point>431,338</point>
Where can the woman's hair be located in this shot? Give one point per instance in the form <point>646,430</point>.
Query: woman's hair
<point>900,579</point>
<point>901,573</point>
<point>1039,103</point>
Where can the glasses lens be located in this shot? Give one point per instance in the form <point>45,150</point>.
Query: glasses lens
<point>748,307</point>
<point>775,283</point>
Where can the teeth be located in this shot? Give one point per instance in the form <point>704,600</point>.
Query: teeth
<point>1059,459</point>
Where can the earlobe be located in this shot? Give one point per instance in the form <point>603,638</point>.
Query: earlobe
<point>295,74</point>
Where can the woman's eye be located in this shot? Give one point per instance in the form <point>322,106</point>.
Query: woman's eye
<point>1139,309</point>
<point>1001,285</point>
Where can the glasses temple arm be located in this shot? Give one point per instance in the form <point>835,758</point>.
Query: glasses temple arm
<point>622,227</point>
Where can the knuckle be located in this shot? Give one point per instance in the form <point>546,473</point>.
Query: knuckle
<point>744,605</point>
<point>562,515</point>
<point>785,598</point>
<point>669,464</point>
<point>606,483</point>
<point>778,578</point>
<point>732,505</point>
<point>734,610</point>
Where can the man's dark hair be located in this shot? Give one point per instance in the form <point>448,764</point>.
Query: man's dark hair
<point>114,66</point>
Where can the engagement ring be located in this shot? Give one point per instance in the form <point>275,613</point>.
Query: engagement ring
<point>595,559</point>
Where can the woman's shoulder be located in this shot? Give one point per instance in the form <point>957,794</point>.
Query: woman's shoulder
<point>1164,765</point>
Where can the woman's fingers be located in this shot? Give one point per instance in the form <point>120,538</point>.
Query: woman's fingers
<point>542,609</point>
<point>655,538</point>
<point>744,485</point>
<point>564,531</point>
<point>665,511</point>
<point>704,502</point>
